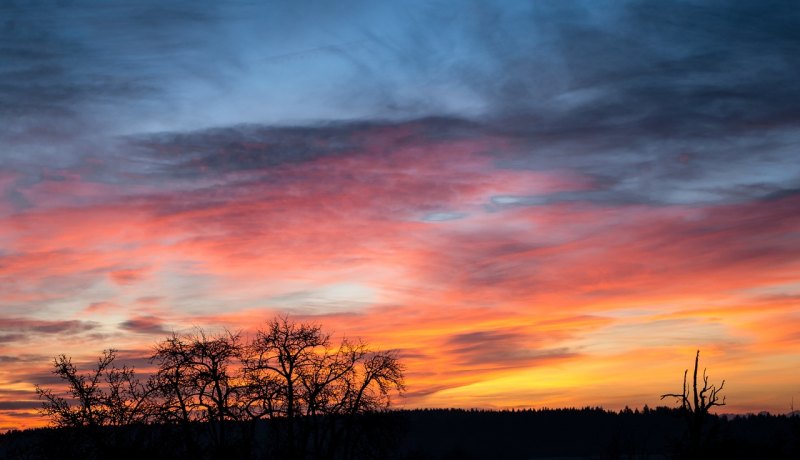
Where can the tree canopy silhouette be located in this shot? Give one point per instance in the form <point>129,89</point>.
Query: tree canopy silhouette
<point>105,395</point>
<point>291,374</point>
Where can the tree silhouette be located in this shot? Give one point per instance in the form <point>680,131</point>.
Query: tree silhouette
<point>308,383</point>
<point>306,392</point>
<point>106,395</point>
<point>695,403</point>
<point>281,353</point>
<point>198,379</point>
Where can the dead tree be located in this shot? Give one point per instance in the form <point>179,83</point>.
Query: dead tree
<point>696,402</point>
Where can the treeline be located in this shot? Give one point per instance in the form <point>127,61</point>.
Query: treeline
<point>450,434</point>
<point>594,433</point>
<point>211,391</point>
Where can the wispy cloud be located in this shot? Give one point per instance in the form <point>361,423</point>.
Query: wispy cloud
<point>145,325</point>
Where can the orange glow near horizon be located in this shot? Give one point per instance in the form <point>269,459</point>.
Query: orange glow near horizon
<point>431,249</point>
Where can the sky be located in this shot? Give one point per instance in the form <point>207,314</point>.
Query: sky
<point>538,203</point>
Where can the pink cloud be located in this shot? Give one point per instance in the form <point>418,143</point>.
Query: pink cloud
<point>102,307</point>
<point>128,275</point>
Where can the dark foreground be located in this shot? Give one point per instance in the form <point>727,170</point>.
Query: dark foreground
<point>431,434</point>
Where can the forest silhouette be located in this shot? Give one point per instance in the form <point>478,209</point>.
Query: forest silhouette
<point>292,392</point>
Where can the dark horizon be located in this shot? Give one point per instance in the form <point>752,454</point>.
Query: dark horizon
<point>442,434</point>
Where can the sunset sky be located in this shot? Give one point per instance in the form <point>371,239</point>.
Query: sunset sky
<point>538,203</point>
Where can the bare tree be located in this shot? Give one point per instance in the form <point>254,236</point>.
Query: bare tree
<point>281,353</point>
<point>105,395</point>
<point>198,380</point>
<point>310,384</point>
<point>696,402</point>
<point>368,388</point>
